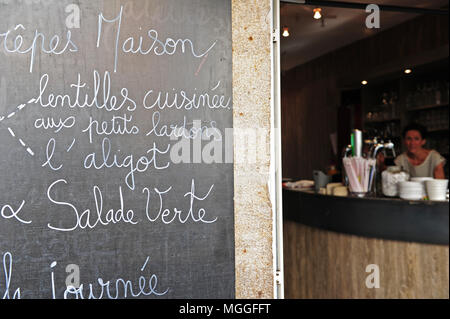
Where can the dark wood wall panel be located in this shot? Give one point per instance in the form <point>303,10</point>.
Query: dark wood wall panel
<point>307,128</point>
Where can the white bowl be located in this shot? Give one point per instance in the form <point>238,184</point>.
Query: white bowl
<point>411,197</point>
<point>411,190</point>
<point>411,187</point>
<point>414,190</point>
<point>421,179</point>
<point>410,184</point>
<point>414,197</point>
<point>412,193</point>
<point>406,189</point>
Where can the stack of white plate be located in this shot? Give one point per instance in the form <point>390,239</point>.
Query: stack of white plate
<point>411,190</point>
<point>437,189</point>
<point>422,180</point>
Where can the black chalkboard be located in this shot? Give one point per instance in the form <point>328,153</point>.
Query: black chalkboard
<point>116,175</point>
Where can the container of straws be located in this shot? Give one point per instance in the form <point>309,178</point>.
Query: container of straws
<point>360,173</point>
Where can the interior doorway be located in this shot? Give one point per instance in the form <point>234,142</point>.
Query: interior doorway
<point>341,71</point>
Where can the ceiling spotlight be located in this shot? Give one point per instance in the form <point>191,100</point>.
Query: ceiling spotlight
<point>364,82</point>
<point>285,32</point>
<point>408,71</point>
<point>317,13</point>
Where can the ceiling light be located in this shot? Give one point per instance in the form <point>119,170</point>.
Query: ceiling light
<point>317,13</point>
<point>285,32</point>
<point>408,71</point>
<point>364,82</point>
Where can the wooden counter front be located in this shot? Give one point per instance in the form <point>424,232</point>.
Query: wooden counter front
<point>323,264</point>
<point>328,264</point>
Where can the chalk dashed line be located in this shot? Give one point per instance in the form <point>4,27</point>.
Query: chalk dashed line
<point>201,64</point>
<point>145,264</point>
<point>20,107</point>
<point>70,147</point>
<point>11,132</point>
<point>29,150</point>
<point>218,84</point>
<point>10,115</point>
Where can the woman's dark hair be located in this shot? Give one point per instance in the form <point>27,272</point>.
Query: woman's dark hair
<point>416,127</point>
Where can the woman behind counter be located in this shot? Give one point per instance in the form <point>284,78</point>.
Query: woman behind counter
<point>417,160</point>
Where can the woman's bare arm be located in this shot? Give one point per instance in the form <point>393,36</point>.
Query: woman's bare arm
<point>439,171</point>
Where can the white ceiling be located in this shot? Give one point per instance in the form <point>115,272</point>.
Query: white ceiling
<point>309,39</point>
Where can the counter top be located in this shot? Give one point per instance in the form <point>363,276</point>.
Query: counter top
<point>384,218</point>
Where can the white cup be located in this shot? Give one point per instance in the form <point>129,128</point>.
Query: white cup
<point>437,189</point>
<point>437,197</point>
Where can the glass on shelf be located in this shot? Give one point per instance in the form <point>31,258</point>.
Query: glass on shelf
<point>427,94</point>
<point>437,93</point>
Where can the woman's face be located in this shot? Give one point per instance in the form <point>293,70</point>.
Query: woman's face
<point>414,141</point>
